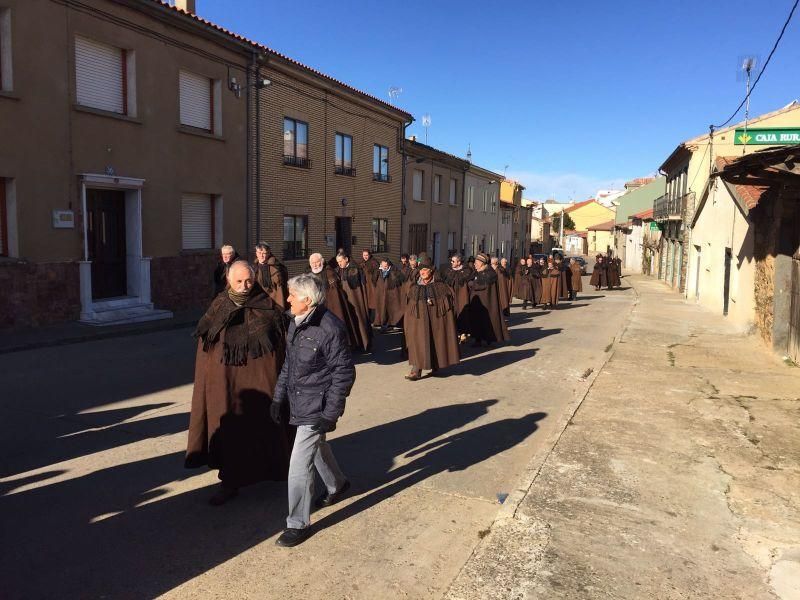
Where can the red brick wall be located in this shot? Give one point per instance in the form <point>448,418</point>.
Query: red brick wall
<point>35,294</point>
<point>183,282</point>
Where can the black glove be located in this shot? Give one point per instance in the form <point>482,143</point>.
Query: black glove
<point>275,412</point>
<point>323,426</point>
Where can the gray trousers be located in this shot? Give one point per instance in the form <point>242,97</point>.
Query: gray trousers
<point>310,451</point>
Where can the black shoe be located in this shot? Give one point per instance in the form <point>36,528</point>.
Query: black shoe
<point>327,499</point>
<point>293,537</point>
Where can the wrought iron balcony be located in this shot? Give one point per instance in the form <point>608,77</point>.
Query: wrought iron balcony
<point>384,177</point>
<point>670,209</point>
<point>342,170</point>
<point>296,161</point>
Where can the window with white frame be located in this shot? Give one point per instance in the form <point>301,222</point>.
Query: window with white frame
<point>474,249</point>
<point>451,241</point>
<point>201,221</point>
<point>102,76</point>
<point>198,106</point>
<point>6,72</point>
<point>493,201</point>
<point>505,217</point>
<point>437,189</point>
<point>485,201</point>
<point>470,197</point>
<point>453,185</point>
<point>490,249</point>
<point>416,191</point>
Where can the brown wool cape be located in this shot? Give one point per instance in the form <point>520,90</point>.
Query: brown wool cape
<point>502,291</point>
<point>577,282</point>
<point>509,283</point>
<point>352,280</point>
<point>272,277</point>
<point>564,282</point>
<point>599,274</point>
<point>485,318</point>
<point>551,283</point>
<point>371,270</point>
<point>389,298</point>
<point>336,302</point>
<point>240,351</point>
<point>535,275</point>
<point>430,328</point>
<point>523,291</point>
<point>458,282</point>
<point>613,273</point>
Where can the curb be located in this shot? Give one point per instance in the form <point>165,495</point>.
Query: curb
<point>508,510</point>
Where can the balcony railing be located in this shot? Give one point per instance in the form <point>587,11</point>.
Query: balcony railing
<point>670,209</point>
<point>342,170</point>
<point>296,161</point>
<point>384,177</point>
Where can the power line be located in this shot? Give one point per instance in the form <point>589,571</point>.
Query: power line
<point>764,68</point>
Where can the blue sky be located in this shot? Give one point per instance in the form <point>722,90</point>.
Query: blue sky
<point>572,96</point>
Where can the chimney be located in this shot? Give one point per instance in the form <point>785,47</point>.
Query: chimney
<point>186,6</point>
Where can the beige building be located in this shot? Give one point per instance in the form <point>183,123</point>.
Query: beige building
<point>123,162</point>
<point>328,166</point>
<point>433,203</point>
<point>481,214</point>
<point>687,172</point>
<point>514,226</point>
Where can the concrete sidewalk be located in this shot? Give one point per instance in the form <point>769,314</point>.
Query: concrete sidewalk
<point>678,476</point>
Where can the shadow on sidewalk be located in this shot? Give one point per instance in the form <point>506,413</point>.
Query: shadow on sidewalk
<point>117,532</point>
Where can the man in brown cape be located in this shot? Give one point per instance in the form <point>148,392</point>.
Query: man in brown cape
<point>271,274</point>
<point>599,273</point>
<point>551,283</point>
<point>506,270</point>
<point>371,268</point>
<point>565,281</point>
<point>429,324</point>
<point>502,287</point>
<point>613,272</point>
<point>485,318</point>
<point>240,351</point>
<point>537,267</point>
<point>389,302</point>
<point>518,290</point>
<point>336,302</point>
<point>575,274</point>
<point>355,294</point>
<point>227,256</point>
<point>404,266</point>
<point>457,276</point>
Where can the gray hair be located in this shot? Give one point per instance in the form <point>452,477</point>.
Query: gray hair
<point>307,286</point>
<point>227,247</point>
<point>242,263</point>
<point>316,255</point>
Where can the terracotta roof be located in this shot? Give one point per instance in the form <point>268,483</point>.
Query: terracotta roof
<point>749,194</point>
<point>607,226</point>
<point>645,214</point>
<point>579,204</point>
<point>639,181</point>
<point>241,38</point>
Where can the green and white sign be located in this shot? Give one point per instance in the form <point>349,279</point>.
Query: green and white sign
<point>767,136</point>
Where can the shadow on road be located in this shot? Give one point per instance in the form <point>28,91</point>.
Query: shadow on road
<point>116,533</point>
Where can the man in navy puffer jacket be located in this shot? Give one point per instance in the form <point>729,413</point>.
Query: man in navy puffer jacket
<point>316,378</point>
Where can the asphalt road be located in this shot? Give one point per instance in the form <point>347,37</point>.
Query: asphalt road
<point>94,502</point>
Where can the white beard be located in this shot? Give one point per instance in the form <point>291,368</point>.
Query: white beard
<point>317,271</point>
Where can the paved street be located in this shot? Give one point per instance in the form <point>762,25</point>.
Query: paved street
<point>97,503</point>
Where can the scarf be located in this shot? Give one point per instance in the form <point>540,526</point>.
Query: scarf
<point>436,292</point>
<point>239,298</point>
<point>251,330</point>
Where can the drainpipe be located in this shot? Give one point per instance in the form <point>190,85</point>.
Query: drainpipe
<point>248,155</point>
<point>258,156</point>
<point>403,183</point>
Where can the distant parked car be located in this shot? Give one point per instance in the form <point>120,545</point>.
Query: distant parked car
<point>580,260</point>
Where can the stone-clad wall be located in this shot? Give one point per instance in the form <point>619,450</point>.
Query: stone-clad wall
<point>183,282</point>
<point>35,294</point>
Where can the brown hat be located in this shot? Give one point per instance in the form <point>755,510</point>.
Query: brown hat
<point>483,258</point>
<point>424,263</point>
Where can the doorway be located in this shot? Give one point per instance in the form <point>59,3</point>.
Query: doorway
<point>417,238</point>
<point>727,283</point>
<point>106,242</point>
<point>437,243</point>
<point>697,249</point>
<point>344,233</point>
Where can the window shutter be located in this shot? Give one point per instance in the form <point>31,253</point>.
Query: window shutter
<point>100,75</point>
<point>197,221</point>
<point>195,94</point>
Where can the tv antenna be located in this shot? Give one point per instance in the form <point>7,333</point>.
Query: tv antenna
<point>426,123</point>
<point>504,171</point>
<point>394,92</point>
<point>748,64</point>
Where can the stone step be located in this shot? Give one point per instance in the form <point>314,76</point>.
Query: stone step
<point>135,313</point>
